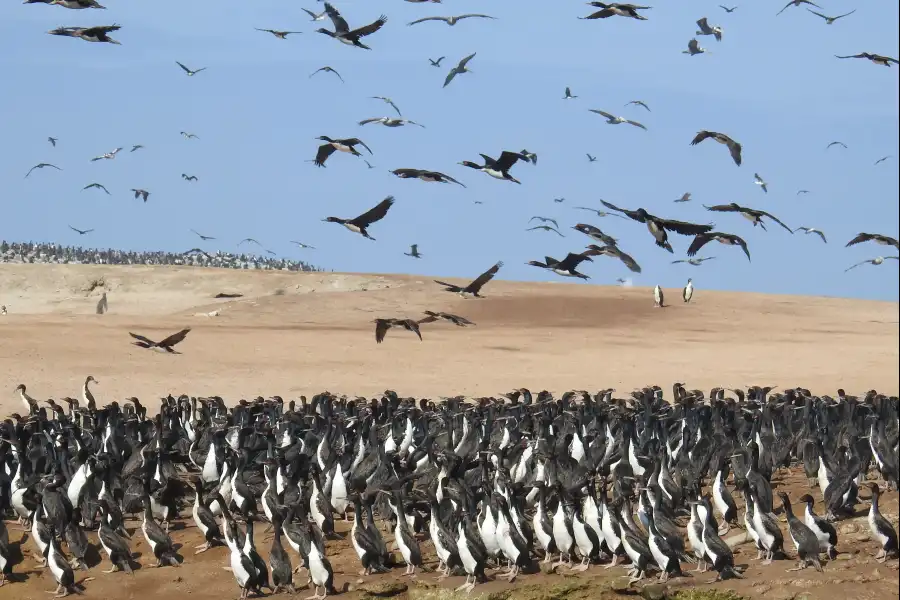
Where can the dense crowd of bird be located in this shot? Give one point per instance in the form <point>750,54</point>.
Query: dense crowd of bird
<point>491,484</point>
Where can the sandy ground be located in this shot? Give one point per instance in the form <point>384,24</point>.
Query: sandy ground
<point>293,334</point>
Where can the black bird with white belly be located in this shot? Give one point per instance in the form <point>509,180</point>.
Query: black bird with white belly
<point>344,34</point>
<point>729,239</point>
<point>425,175</point>
<point>473,288</point>
<point>658,227</point>
<point>566,267</point>
<point>361,223</point>
<point>803,537</point>
<point>499,168</point>
<point>344,145</point>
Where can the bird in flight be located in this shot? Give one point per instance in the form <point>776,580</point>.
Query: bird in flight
<point>707,29</point>
<point>696,262</point>
<point>723,238</point>
<point>327,69</point>
<point>53,141</point>
<point>559,200</point>
<point>591,158</point>
<point>136,147</point>
<point>249,240</point>
<point>100,33</point>
<point>875,237</point>
<point>686,197</point>
<point>189,136</point>
<point>201,236</point>
<point>459,69</point>
<point>614,120</point>
<point>545,228</point>
<point>614,9</point>
<point>450,20</point>
<point>878,59</point>
<point>315,17</point>
<point>387,100</point>
<point>830,20</point>
<point>751,214</point>
<point>568,94</point>
<point>98,186</point>
<point>760,182</point>
<point>390,122</point>
<point>544,220</point>
<point>613,251</point>
<point>473,288</point>
<point>567,267</point>
<point>432,316</point>
<point>882,159</point>
<point>166,345</point>
<point>599,213</point>
<point>304,246</point>
<point>658,227</point>
<point>80,231</point>
<point>694,48</point>
<point>639,103</point>
<point>841,144</point>
<point>413,251</point>
<point>499,168</point>
<point>76,4</point>
<point>733,147</point>
<point>281,35</point>
<point>872,261</point>
<point>382,326</point>
<point>796,3</point>
<point>595,233</point>
<point>330,145</point>
<point>422,174</point>
<point>187,177</point>
<point>41,166</point>
<point>361,223</point>
<point>107,156</point>
<point>728,10</point>
<point>802,192</point>
<point>140,194</point>
<point>436,63</point>
<point>344,34</point>
<point>190,72</point>
<point>809,230</point>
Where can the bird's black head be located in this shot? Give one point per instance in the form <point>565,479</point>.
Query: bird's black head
<point>325,31</point>
<point>324,138</point>
<point>470,164</point>
<point>331,220</point>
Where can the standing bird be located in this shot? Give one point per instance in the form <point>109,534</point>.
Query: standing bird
<point>451,20</point>
<point>436,63</point>
<point>659,298</point>
<point>475,287</point>
<point>344,34</point>
<point>831,20</point>
<point>190,72</point>
<point>796,3</point>
<point>40,166</point>
<point>568,94</point>
<point>872,261</point>
<point>166,345</point>
<point>98,186</point>
<point>499,168</point>
<point>387,100</point>
<point>80,231</point>
<point>688,292</point>
<point>327,69</point>
<point>805,540</point>
<point>753,215</point>
<point>658,226</point>
<point>723,238</point>
<point>459,69</point>
<point>761,183</point>
<point>614,120</point>
<point>639,103</point>
<point>881,528</point>
<point>344,145</point>
<point>706,29</point>
<point>424,175</point>
<point>878,59</point>
<point>281,35</point>
<point>141,193</point>
<point>694,48</point>
<point>413,251</point>
<point>361,223</point>
<point>809,230</point>
<point>875,237</point>
<point>100,33</point>
<point>733,147</point>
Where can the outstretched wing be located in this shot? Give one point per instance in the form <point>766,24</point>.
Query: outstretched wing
<point>450,287</point>
<point>482,279</point>
<point>466,60</point>
<point>507,160</point>
<point>699,241</point>
<point>340,25</point>
<point>374,214</point>
<point>862,237</point>
<point>325,150</point>
<point>381,327</point>
<point>602,113</point>
<point>423,19</point>
<point>701,135</point>
<point>370,28</point>
<point>175,338</point>
<point>683,227</point>
<point>628,261</point>
<point>141,338</point>
<point>723,208</point>
<point>776,219</point>
<point>629,213</point>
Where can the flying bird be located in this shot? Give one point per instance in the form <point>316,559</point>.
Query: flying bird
<point>424,175</point>
<point>614,120</point>
<point>544,220</point>
<point>187,177</point>
<point>872,261</point>
<point>728,10</point>
<point>686,197</point>
<point>190,72</point>
<point>568,94</point>
<point>249,241</point>
<point>140,194</point>
<point>694,48</point>
<point>473,288</point>
<point>390,122</point>
<point>878,59</point>
<point>596,234</point>
<point>639,103</point>
<point>136,147</point>
<point>281,35</point>
<point>874,237</point>
<point>831,20</point>
<point>706,29</point>
<point>545,228</point>
<point>205,238</point>
<point>613,251</point>
<point>615,9</point>
<point>802,192</point>
<point>327,69</point>
<point>53,141</point>
<point>450,20</point>
<point>459,69</point>
<point>304,246</point>
<point>723,238</point>
<point>361,223</point>
<point>315,17</point>
<point>809,230</point>
<point>344,34</point>
<point>166,344</point>
<point>413,251</point>
<point>499,168</point>
<point>189,136</point>
<point>796,3</point>
<point>733,147</point>
<point>432,316</point>
<point>590,158</point>
<point>107,156</point>
<point>387,100</point>
<point>529,156</point>
<point>599,213</point>
<point>753,215</point>
<point>658,227</point>
<point>841,144</point>
<point>882,159</point>
<point>696,262</point>
<point>382,326</point>
<point>77,4</point>
<point>344,145</point>
<point>100,33</point>
<point>80,231</point>
<point>98,186</point>
<point>40,166</point>
<point>371,166</point>
<point>760,182</point>
<point>567,267</point>
<point>436,63</point>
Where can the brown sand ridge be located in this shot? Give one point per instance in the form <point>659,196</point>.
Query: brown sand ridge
<point>293,334</point>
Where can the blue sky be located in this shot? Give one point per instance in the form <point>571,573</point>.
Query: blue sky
<point>773,84</point>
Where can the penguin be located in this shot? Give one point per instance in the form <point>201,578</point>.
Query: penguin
<point>881,528</point>
<point>804,539</point>
<point>825,531</point>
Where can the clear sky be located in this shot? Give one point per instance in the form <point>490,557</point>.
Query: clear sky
<point>773,84</point>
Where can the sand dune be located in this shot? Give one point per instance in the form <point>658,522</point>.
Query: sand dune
<point>294,334</point>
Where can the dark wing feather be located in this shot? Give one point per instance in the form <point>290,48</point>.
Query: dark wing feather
<point>450,287</point>
<point>413,326</point>
<point>381,327</point>
<point>370,28</point>
<point>735,149</point>
<point>325,150</point>
<point>507,160</point>
<point>482,279</point>
<point>374,214</point>
<point>142,338</point>
<point>355,141</point>
<point>629,213</point>
<point>571,261</point>
<point>340,25</point>
<point>862,237</point>
<point>723,208</point>
<point>701,135</point>
<point>175,338</point>
<point>627,260</point>
<point>699,241</point>
<point>683,227</point>
<point>774,218</point>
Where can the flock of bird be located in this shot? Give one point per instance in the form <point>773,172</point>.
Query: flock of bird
<point>501,166</point>
<point>490,484</point>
